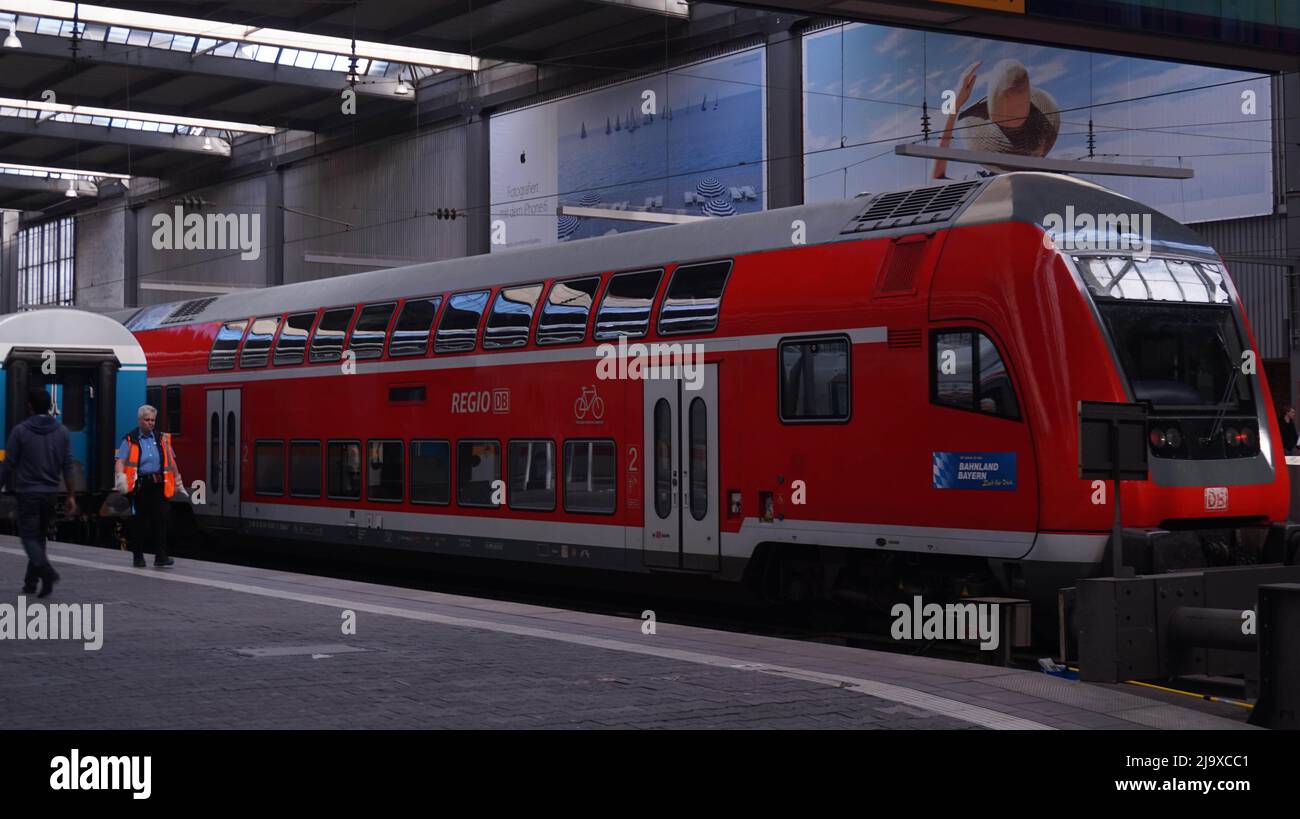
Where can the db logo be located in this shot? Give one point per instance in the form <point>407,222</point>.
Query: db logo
<point>1216,498</point>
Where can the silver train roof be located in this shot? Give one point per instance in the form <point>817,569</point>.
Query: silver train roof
<point>1020,196</point>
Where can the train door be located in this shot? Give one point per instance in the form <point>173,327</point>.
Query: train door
<point>681,489</point>
<point>223,459</point>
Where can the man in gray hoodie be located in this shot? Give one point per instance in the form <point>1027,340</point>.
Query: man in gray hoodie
<point>37,466</point>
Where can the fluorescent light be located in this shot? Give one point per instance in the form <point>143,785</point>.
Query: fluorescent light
<point>139,116</point>
<point>402,88</point>
<point>12,40</point>
<point>207,143</point>
<point>245,34</point>
<point>71,192</point>
<point>42,169</point>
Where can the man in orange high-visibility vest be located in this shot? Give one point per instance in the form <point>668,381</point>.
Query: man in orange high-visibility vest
<point>147,473</point>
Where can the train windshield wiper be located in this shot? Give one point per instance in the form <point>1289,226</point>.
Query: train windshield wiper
<point>1232,385</point>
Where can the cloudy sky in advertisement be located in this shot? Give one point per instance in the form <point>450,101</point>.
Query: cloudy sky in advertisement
<point>864,85</point>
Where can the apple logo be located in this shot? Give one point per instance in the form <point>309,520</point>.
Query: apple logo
<point>522,160</point>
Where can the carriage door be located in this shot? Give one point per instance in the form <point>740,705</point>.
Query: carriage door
<point>223,455</point>
<point>681,484</point>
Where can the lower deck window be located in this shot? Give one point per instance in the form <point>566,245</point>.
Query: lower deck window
<point>532,475</point>
<point>430,472</point>
<point>268,467</point>
<point>384,471</point>
<point>815,380</point>
<point>589,477</point>
<point>344,470</point>
<point>478,466</point>
<point>304,469</point>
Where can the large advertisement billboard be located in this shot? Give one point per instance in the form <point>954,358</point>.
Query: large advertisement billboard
<point>687,141</point>
<point>864,86</point>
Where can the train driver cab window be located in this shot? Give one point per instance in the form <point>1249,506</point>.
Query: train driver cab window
<point>564,315</point>
<point>291,347</point>
<point>478,466</point>
<point>372,329</point>
<point>327,343</point>
<point>968,373</point>
<point>694,298</point>
<point>257,347</point>
<point>625,309</point>
<point>459,325</point>
<point>815,383</point>
<point>414,323</point>
<point>222,356</point>
<point>511,317</point>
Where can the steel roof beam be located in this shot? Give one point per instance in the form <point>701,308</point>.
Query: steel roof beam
<point>99,134</point>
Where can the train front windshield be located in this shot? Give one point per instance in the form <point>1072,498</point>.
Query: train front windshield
<point>1179,345</point>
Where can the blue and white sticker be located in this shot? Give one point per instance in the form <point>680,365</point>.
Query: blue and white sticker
<point>975,470</point>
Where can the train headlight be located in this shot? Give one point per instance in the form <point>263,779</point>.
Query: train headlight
<point>1157,438</point>
<point>1173,437</point>
<point>1249,439</point>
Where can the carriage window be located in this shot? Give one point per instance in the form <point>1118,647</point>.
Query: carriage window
<point>372,326</point>
<point>564,316</point>
<point>222,356</point>
<point>411,334</point>
<point>968,373</point>
<point>532,475</point>
<point>430,472</point>
<point>174,409</point>
<point>384,471</point>
<point>699,459</point>
<point>268,467</point>
<point>292,344</point>
<point>327,343</point>
<point>257,347</point>
<point>153,396</point>
<point>344,470</point>
<point>478,465</point>
<point>304,469</point>
<point>815,380</point>
<point>625,309</point>
<point>459,325</point>
<point>663,458</point>
<point>589,480</point>
<point>694,298</point>
<point>512,314</point>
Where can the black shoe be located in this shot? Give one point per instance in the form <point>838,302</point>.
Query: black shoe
<point>163,563</point>
<point>47,583</point>
<point>139,563</point>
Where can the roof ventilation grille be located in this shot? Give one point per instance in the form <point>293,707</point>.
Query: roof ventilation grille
<point>188,310</point>
<point>936,203</point>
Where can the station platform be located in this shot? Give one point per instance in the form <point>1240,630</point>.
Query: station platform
<point>208,646</point>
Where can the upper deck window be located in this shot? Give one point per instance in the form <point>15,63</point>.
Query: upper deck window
<point>1119,277</point>
<point>459,325</point>
<point>372,328</point>
<point>222,356</point>
<point>694,298</point>
<point>512,315</point>
<point>327,343</point>
<point>414,323</point>
<point>257,347</point>
<point>292,344</point>
<point>625,309</point>
<point>564,316</point>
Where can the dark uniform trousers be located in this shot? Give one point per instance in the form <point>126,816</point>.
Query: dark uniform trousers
<point>35,511</point>
<point>150,521</point>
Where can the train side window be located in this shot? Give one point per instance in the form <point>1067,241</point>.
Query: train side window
<point>292,344</point>
<point>414,323</point>
<point>431,472</point>
<point>459,325</point>
<point>815,380</point>
<point>222,356</point>
<point>174,409</point>
<point>968,373</point>
<point>663,458</point>
<point>564,315</point>
<point>327,342</point>
<point>590,484</point>
<point>478,465</point>
<point>532,475</point>
<point>385,472</point>
<point>511,316</point>
<point>371,331</point>
<point>257,347</point>
<point>304,469</point>
<point>268,467</point>
<point>153,396</point>
<point>625,308</point>
<point>694,298</point>
<point>344,470</point>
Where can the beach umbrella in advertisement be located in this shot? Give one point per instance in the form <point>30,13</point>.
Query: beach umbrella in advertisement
<point>567,226</point>
<point>710,188</point>
<point>590,199</point>
<point>721,206</point>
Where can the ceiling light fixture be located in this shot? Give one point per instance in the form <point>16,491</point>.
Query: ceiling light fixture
<point>12,40</point>
<point>71,192</point>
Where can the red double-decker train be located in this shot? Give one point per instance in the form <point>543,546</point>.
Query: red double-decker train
<point>849,398</point>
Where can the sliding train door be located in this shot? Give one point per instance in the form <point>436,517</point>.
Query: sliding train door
<point>224,456</point>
